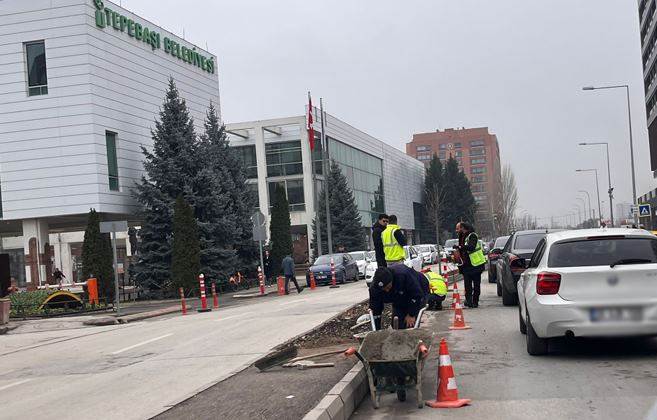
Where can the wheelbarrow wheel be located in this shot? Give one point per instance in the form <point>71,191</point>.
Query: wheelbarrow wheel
<point>401,395</point>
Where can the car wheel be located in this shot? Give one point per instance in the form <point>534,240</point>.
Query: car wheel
<point>521,321</point>
<point>499,289</point>
<point>508,299</point>
<point>536,346</point>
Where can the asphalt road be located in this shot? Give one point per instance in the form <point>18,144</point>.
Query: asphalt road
<point>582,379</point>
<point>137,371</point>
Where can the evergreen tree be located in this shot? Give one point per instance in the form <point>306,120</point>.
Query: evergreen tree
<point>459,204</point>
<point>185,264</point>
<point>280,236</point>
<point>97,257</point>
<point>346,224</point>
<point>169,167</point>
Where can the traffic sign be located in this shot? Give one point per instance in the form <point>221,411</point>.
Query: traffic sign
<point>108,227</point>
<point>644,210</point>
<point>259,229</point>
<point>634,210</point>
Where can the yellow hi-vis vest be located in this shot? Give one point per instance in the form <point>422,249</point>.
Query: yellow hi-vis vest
<point>437,285</point>
<point>391,248</point>
<point>477,257</point>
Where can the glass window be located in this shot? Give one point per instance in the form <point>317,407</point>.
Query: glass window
<point>457,145</point>
<point>423,148</point>
<point>458,153</point>
<point>478,179</point>
<point>477,143</point>
<point>442,146</point>
<point>441,155</point>
<point>477,161</point>
<point>528,241</point>
<point>284,158</point>
<point>478,188</point>
<point>253,187</point>
<point>603,251</point>
<point>37,77</point>
<point>293,191</point>
<point>248,156</point>
<point>112,164</point>
<point>480,151</point>
<point>478,170</point>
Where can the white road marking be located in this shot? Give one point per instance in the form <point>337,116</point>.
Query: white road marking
<point>2,388</point>
<point>142,343</point>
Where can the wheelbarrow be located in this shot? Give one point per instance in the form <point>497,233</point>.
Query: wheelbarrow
<point>393,360</point>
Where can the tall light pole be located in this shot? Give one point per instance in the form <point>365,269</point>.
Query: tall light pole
<point>588,196</point>
<point>579,213</point>
<point>629,118</point>
<point>585,218</point>
<point>610,191</point>
<point>597,189</point>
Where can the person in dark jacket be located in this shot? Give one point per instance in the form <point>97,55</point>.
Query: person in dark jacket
<point>401,286</point>
<point>288,272</point>
<point>377,229</point>
<point>473,262</point>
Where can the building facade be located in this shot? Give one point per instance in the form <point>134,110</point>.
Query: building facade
<point>82,83</point>
<point>478,155</point>
<point>277,152</point>
<point>647,15</point>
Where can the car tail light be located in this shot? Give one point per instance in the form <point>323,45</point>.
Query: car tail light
<point>548,283</point>
<point>516,264</point>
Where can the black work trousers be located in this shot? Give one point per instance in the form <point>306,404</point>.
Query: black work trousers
<point>287,284</point>
<point>472,282</point>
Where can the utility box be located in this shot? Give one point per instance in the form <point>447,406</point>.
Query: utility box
<point>5,304</point>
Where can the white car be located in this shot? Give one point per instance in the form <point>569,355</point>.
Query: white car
<point>370,268</point>
<point>412,258</point>
<point>362,259</point>
<point>428,252</point>
<point>589,283</point>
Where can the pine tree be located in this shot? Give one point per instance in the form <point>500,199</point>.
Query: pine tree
<point>280,236</point>
<point>346,224</point>
<point>185,264</point>
<point>169,167</point>
<point>97,257</point>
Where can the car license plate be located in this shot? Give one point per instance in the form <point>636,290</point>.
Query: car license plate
<point>616,314</point>
<point>321,276</point>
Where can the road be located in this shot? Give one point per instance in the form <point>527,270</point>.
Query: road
<point>136,371</point>
<point>584,379</point>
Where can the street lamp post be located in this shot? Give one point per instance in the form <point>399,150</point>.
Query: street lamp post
<point>610,191</point>
<point>588,197</point>
<point>629,118</point>
<point>597,189</point>
<point>585,218</point>
<point>577,208</point>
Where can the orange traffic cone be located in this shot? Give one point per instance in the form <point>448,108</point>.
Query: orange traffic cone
<point>313,285</point>
<point>447,395</point>
<point>456,297</point>
<point>459,320</point>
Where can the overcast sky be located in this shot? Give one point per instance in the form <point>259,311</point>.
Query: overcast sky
<point>394,68</point>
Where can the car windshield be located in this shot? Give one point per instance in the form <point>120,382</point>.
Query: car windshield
<point>423,248</point>
<point>326,259</point>
<point>451,242</point>
<point>528,241</point>
<point>372,255</point>
<point>603,251</point>
<point>500,242</point>
<point>358,256</point>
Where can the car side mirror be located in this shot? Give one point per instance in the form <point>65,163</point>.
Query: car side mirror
<point>523,262</point>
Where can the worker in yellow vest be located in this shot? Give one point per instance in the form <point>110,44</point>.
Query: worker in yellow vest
<point>473,262</point>
<point>393,242</point>
<point>437,289</point>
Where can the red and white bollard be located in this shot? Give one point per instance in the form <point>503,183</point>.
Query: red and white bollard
<point>313,284</point>
<point>204,300</point>
<point>182,301</point>
<point>280,282</point>
<point>261,280</point>
<point>334,283</point>
<point>215,298</point>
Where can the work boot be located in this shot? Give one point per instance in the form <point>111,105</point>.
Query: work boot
<point>301,289</point>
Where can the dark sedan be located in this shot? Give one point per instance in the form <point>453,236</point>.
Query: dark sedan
<point>516,254</point>
<point>346,269</point>
<point>493,255</point>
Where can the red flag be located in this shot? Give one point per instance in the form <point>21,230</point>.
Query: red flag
<point>311,130</point>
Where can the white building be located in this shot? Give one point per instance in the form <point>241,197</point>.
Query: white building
<point>82,83</point>
<point>277,151</point>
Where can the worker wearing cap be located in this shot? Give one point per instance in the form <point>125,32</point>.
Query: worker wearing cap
<point>437,289</point>
<point>394,242</point>
<point>401,286</point>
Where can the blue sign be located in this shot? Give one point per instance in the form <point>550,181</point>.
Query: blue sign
<point>644,210</point>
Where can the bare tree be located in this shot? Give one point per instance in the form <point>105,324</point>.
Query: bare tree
<point>435,193</point>
<point>508,203</point>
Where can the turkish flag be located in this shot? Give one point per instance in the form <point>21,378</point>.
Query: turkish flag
<point>311,130</point>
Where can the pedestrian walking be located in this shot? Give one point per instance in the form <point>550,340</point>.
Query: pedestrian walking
<point>394,242</point>
<point>377,230</point>
<point>58,276</point>
<point>401,286</point>
<point>288,272</point>
<point>473,262</point>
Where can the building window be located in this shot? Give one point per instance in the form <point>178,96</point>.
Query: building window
<point>248,156</point>
<point>423,148</point>
<point>457,145</point>
<point>284,158</point>
<point>480,151</point>
<point>37,77</point>
<point>424,157</point>
<point>294,192</point>
<point>112,164</point>
<point>478,170</point>
<point>478,179</point>
<point>477,161</point>
<point>458,153</point>
<point>477,143</point>
<point>442,146</point>
<point>253,189</point>
<point>441,155</point>
<point>478,188</point>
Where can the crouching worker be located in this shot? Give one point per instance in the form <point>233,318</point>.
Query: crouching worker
<point>400,286</point>
<point>437,289</point>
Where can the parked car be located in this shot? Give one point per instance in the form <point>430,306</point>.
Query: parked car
<point>589,282</point>
<point>370,268</point>
<point>429,253</point>
<point>494,255</point>
<point>519,248</point>
<point>484,247</point>
<point>362,259</point>
<point>449,248</point>
<point>345,269</point>
<point>412,258</point>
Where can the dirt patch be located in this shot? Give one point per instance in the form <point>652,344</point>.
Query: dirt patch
<point>391,345</point>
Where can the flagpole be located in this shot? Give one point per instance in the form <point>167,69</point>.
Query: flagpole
<point>326,169</point>
<point>318,223</point>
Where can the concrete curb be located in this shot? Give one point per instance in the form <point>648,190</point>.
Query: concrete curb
<point>6,328</point>
<point>343,399</point>
<point>151,314</point>
<point>253,295</point>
